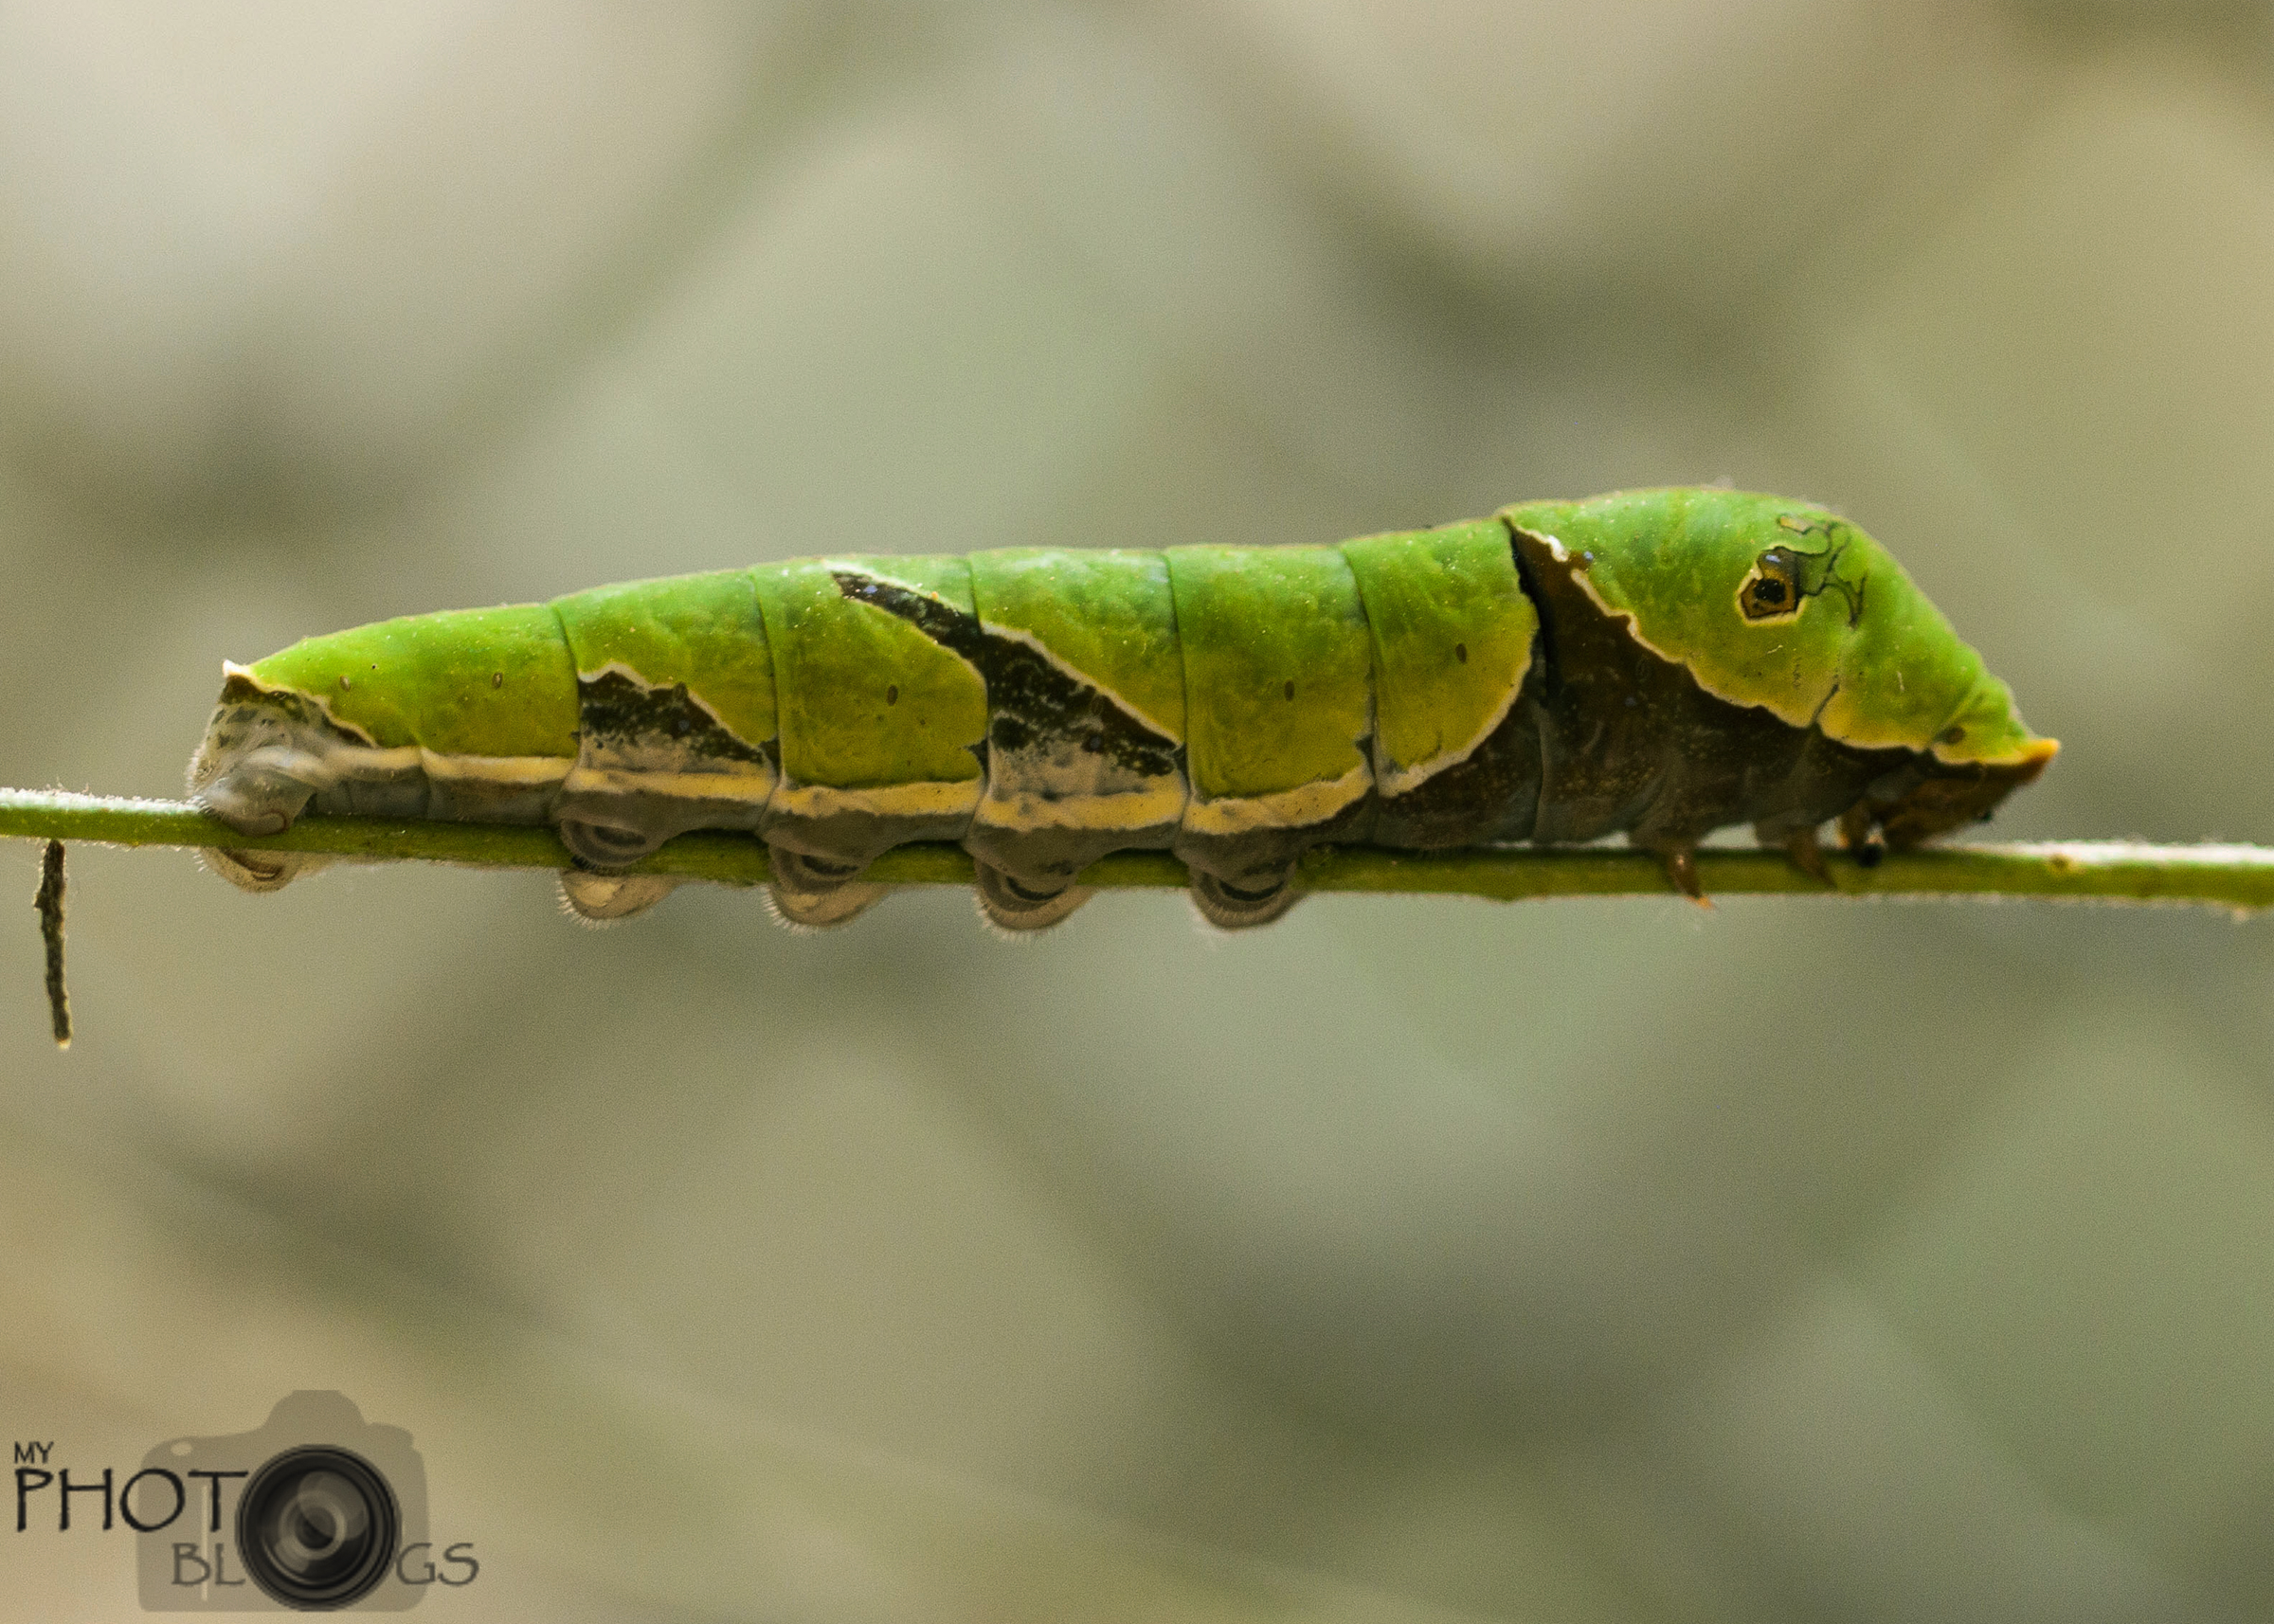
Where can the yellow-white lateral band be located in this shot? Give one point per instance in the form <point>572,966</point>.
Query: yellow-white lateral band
<point>1022,811</point>
<point>755,788</point>
<point>930,800</point>
<point>1297,808</point>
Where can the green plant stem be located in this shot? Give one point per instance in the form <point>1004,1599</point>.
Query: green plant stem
<point>2238,877</point>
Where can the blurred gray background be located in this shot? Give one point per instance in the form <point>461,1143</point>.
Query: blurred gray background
<point>1411,1260</point>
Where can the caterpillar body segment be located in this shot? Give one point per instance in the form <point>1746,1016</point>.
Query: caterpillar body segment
<point>675,702</point>
<point>1085,679</point>
<point>1657,663</point>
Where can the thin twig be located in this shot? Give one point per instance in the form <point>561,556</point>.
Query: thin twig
<point>2235,877</point>
<point>51,903</point>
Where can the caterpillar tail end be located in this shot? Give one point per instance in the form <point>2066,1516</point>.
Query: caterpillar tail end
<point>251,770</point>
<point>250,870</point>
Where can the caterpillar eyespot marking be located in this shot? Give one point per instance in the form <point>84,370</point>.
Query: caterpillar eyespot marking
<point>1659,663</point>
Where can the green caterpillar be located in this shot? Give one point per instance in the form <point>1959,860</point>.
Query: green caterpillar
<point>1659,663</point>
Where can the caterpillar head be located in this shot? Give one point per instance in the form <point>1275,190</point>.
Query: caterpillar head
<point>1787,606</point>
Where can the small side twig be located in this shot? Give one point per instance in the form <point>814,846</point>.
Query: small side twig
<point>51,903</point>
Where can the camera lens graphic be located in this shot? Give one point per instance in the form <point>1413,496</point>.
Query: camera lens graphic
<point>317,1527</point>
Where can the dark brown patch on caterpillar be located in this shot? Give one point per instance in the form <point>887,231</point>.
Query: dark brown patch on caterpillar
<point>1031,699</point>
<point>244,703</point>
<point>618,710</point>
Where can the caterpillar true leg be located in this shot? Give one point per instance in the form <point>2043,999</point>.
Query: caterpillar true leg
<point>1807,853</point>
<point>1801,845</point>
<point>1858,837</point>
<point>1681,863</point>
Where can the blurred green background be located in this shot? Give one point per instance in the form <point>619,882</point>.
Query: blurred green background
<point>1410,1260</point>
